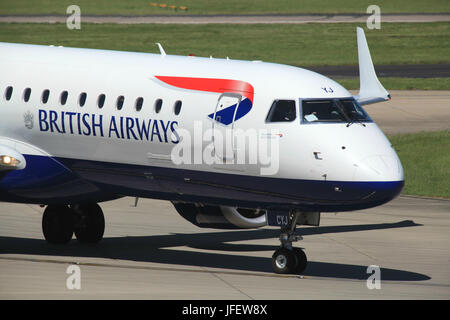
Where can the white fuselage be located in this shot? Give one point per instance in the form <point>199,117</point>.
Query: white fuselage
<point>307,151</point>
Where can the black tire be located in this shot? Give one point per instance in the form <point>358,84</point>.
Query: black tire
<point>301,260</point>
<point>90,224</point>
<point>57,224</point>
<point>283,261</point>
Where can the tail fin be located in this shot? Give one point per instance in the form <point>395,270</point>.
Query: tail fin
<point>370,88</point>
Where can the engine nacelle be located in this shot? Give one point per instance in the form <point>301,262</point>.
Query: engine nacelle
<point>221,217</point>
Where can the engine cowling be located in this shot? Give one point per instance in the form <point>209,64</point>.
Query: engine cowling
<point>221,217</point>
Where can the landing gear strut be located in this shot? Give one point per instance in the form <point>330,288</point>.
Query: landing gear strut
<point>60,222</point>
<point>288,259</point>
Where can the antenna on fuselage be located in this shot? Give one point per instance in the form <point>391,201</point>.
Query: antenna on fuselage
<point>163,53</point>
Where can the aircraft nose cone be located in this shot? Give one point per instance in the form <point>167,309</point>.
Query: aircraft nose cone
<point>381,178</point>
<point>379,168</point>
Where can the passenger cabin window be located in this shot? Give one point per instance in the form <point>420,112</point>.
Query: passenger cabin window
<point>333,110</point>
<point>158,105</point>
<point>282,111</point>
<point>82,99</point>
<point>45,95</point>
<point>177,107</point>
<point>8,93</point>
<point>63,97</point>
<point>101,101</point>
<point>26,94</point>
<point>139,103</point>
<point>119,103</point>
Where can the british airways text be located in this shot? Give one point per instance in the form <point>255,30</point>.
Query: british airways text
<point>98,125</point>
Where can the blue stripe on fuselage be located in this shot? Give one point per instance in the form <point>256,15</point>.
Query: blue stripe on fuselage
<point>109,180</point>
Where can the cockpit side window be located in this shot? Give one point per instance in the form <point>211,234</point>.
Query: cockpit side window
<point>282,111</point>
<point>333,110</point>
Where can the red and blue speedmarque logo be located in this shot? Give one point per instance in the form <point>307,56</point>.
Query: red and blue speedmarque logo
<point>226,115</point>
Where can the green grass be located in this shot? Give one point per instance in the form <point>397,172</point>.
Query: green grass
<point>402,83</point>
<point>143,7</point>
<point>425,158</point>
<point>299,45</point>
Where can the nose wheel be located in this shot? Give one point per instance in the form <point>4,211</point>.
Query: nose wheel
<point>285,261</point>
<point>301,259</point>
<point>288,259</point>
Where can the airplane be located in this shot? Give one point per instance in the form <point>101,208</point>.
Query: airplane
<point>81,126</point>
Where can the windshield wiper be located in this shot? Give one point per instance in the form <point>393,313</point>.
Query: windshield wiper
<point>357,120</point>
<point>341,109</point>
<point>353,121</point>
<point>350,120</point>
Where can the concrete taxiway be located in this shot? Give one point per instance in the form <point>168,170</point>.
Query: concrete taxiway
<point>150,252</point>
<point>412,111</point>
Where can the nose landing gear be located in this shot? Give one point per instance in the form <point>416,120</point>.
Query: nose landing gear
<point>288,259</point>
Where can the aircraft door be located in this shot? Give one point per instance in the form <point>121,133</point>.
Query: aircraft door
<point>223,123</point>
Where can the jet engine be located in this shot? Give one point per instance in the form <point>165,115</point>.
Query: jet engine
<point>221,217</point>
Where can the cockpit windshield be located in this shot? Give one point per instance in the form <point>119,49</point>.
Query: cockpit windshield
<point>333,110</point>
